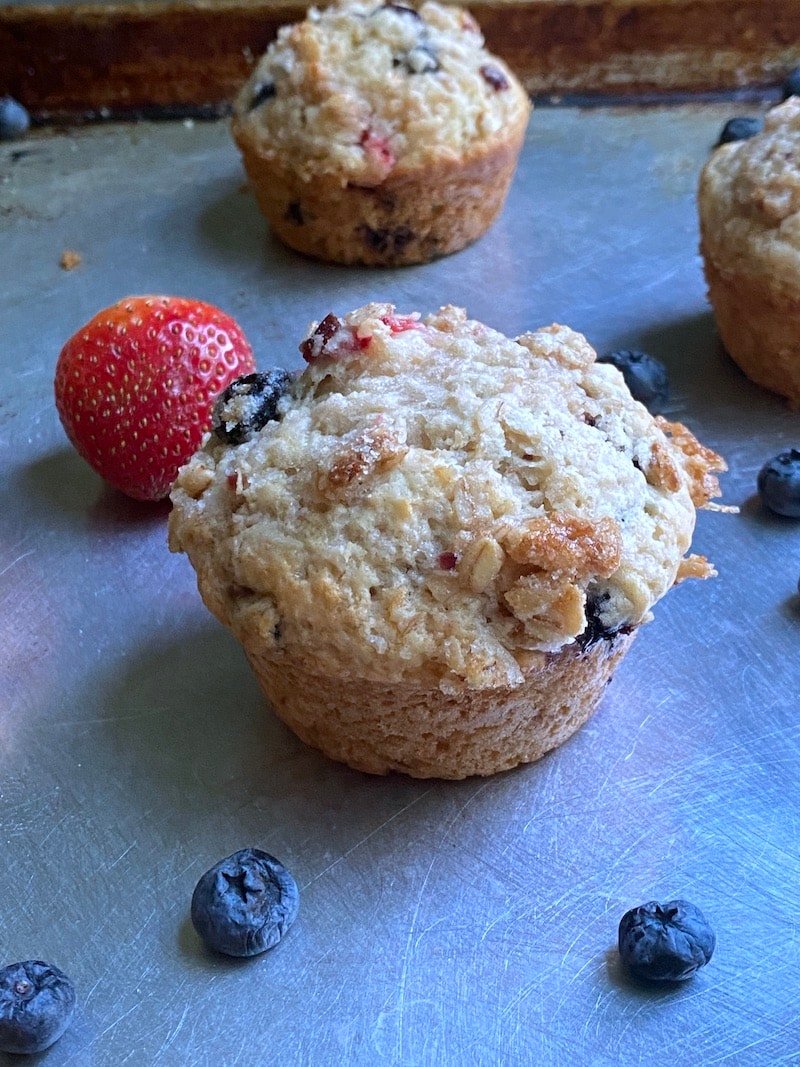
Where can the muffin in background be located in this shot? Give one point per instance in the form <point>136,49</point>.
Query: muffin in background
<point>440,547</point>
<point>749,202</point>
<point>380,134</point>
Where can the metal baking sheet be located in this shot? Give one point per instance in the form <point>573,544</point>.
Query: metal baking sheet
<point>441,923</point>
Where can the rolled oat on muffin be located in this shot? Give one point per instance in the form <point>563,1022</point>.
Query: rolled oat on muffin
<point>441,546</point>
<point>380,133</point>
<point>749,202</point>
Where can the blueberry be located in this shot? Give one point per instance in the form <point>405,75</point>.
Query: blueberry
<point>36,1005</point>
<point>493,76</point>
<point>14,119</point>
<point>261,94</point>
<point>248,404</point>
<point>665,942</point>
<point>791,84</point>
<point>401,9</point>
<point>245,904</point>
<point>596,630</point>
<point>645,376</point>
<point>392,240</point>
<point>740,128</point>
<point>779,483</point>
<point>421,59</point>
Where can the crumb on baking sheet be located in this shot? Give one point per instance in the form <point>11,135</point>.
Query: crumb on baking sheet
<point>70,259</point>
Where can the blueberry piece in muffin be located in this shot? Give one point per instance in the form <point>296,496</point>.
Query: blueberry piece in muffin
<point>791,84</point>
<point>384,240</point>
<point>401,9</point>
<point>457,535</point>
<point>421,59</point>
<point>248,404</point>
<point>262,92</point>
<point>493,76</point>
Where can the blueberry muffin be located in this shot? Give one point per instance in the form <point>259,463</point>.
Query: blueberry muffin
<point>750,239</point>
<point>441,543</point>
<point>380,134</point>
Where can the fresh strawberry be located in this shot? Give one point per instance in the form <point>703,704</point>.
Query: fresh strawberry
<point>135,387</point>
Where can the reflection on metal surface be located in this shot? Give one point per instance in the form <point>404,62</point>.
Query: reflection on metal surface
<point>457,923</point>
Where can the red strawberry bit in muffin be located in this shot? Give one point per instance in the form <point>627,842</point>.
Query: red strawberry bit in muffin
<point>448,561</point>
<point>332,340</point>
<point>378,152</point>
<point>401,323</point>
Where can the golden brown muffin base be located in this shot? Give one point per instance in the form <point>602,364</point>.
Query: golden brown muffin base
<point>411,217</point>
<point>759,327</point>
<point>426,733</point>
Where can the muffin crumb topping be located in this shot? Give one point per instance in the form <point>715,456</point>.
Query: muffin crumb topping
<point>436,506</point>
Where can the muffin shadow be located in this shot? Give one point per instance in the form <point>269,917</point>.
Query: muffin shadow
<point>229,222</point>
<point>190,722</point>
<point>231,225</point>
<point>702,375</point>
<point>234,230</point>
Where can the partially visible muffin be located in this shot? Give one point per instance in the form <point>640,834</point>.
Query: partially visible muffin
<point>380,134</point>
<point>438,551</point>
<point>750,239</point>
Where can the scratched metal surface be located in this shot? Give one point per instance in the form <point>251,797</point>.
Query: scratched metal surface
<point>467,923</point>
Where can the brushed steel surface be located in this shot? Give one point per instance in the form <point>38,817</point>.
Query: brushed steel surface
<point>441,923</point>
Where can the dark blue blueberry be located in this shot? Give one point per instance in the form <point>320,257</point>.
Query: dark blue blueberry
<point>779,483</point>
<point>248,404</point>
<point>493,76</point>
<point>261,94</point>
<point>36,1005</point>
<point>14,119</point>
<point>645,376</point>
<point>421,59</point>
<point>391,240</point>
<point>294,213</point>
<point>665,942</point>
<point>245,904</point>
<point>401,9</point>
<point>741,128</point>
<point>596,630</point>
<point>791,84</point>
